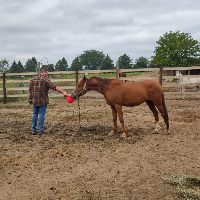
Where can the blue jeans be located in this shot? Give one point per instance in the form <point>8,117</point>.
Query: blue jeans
<point>41,110</point>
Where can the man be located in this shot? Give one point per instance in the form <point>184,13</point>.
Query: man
<point>38,96</point>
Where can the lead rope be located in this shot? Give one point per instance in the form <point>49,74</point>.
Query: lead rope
<point>79,115</point>
<point>84,88</point>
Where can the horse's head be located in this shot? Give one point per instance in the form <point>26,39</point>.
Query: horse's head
<point>80,89</point>
<point>178,73</point>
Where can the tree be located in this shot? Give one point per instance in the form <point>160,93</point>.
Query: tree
<point>14,67</point>
<point>4,65</point>
<point>20,67</point>
<point>107,63</point>
<point>61,65</point>
<point>176,49</point>
<point>141,62</point>
<point>49,67</point>
<point>92,60</point>
<point>125,62</point>
<point>76,64</point>
<point>151,65</point>
<point>31,65</point>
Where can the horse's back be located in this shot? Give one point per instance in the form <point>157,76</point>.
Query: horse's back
<point>146,84</point>
<point>133,94</point>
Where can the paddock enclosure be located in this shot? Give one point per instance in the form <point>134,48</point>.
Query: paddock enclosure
<point>70,162</point>
<point>84,163</point>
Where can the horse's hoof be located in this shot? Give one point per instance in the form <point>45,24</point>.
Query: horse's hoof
<point>123,135</point>
<point>168,132</point>
<point>156,131</point>
<point>111,134</point>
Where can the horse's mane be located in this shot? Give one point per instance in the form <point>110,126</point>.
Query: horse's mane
<point>101,82</point>
<point>105,81</point>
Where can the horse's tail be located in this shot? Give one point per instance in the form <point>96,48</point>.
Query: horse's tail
<point>166,118</point>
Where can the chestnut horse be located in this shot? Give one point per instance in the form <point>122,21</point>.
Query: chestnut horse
<point>122,74</point>
<point>118,93</point>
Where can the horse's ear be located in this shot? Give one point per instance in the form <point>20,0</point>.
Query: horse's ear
<point>84,78</point>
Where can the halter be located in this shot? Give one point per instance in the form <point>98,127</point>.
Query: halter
<point>81,92</point>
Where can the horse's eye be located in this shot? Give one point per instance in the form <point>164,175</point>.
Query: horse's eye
<point>79,86</point>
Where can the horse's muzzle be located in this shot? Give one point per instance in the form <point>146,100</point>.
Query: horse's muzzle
<point>73,96</point>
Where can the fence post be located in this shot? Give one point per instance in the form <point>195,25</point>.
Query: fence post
<point>76,77</point>
<point>38,65</point>
<point>117,70</point>
<point>161,73</point>
<point>4,88</point>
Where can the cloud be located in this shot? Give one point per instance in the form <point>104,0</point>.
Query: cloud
<point>60,28</point>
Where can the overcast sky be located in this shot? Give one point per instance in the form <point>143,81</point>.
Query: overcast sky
<point>66,28</point>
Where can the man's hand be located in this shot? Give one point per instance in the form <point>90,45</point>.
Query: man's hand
<point>61,91</point>
<point>65,94</point>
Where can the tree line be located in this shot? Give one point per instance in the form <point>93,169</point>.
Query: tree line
<point>174,49</point>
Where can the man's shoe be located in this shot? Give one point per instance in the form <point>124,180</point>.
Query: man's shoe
<point>34,132</point>
<point>42,133</point>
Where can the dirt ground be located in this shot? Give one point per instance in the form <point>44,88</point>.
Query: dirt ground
<point>84,163</point>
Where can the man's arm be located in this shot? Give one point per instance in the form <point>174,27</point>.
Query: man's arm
<point>54,87</point>
<point>61,91</point>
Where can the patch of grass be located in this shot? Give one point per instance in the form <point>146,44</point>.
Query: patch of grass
<point>102,75</point>
<point>12,85</point>
<point>14,99</point>
<point>188,186</point>
<point>112,75</point>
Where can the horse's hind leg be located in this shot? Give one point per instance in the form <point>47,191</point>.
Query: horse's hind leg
<point>155,113</point>
<point>164,115</point>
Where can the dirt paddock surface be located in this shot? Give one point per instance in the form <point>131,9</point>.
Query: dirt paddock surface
<point>84,163</point>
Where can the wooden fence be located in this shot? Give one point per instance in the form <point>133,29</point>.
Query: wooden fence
<point>160,76</point>
<point>175,84</point>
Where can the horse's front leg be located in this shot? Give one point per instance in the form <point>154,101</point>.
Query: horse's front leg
<point>114,113</point>
<point>121,119</point>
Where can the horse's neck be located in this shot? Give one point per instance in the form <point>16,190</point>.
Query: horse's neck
<point>100,87</point>
<point>96,88</point>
